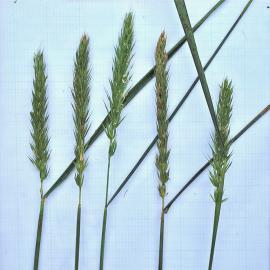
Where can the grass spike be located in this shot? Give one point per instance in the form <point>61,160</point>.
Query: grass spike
<point>118,84</point>
<point>40,139</point>
<point>162,156</point>
<point>81,99</point>
<point>221,155</point>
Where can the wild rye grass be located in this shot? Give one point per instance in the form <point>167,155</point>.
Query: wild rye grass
<point>129,96</point>
<point>77,161</point>
<point>81,98</point>
<point>162,157</point>
<point>179,105</point>
<point>221,155</point>
<point>118,84</point>
<point>40,139</point>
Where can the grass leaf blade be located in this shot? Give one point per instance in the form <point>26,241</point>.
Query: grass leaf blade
<point>184,18</point>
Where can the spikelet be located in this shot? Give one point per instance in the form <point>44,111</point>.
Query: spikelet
<point>81,98</point>
<point>39,119</point>
<point>221,143</point>
<point>120,80</point>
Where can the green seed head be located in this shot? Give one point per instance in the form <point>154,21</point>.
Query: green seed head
<point>81,99</point>
<point>162,157</point>
<point>121,78</point>
<point>221,142</point>
<point>39,118</point>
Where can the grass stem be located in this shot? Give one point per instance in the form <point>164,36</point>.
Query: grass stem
<point>104,223</point>
<point>160,262</point>
<point>78,230</point>
<point>103,237</point>
<point>214,235</point>
<point>39,233</point>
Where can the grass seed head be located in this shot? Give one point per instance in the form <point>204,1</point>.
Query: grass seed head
<point>221,142</point>
<point>161,87</point>
<point>120,80</point>
<point>39,118</point>
<point>81,99</point>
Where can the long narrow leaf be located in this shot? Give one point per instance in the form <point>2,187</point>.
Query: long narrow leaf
<point>179,105</point>
<point>131,94</point>
<point>184,18</point>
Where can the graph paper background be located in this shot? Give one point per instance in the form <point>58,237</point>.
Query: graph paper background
<point>133,221</point>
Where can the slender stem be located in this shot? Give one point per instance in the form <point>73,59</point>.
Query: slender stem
<point>178,107</point>
<point>214,235</point>
<point>205,166</point>
<point>130,95</point>
<point>41,188</point>
<point>160,262</point>
<point>103,236</point>
<point>78,230</point>
<point>39,233</point>
<point>108,179</point>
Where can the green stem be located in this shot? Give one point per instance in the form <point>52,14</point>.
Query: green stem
<point>78,230</point>
<point>103,236</point>
<point>39,233</point>
<point>108,179</point>
<point>41,189</point>
<point>214,235</point>
<point>160,262</point>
